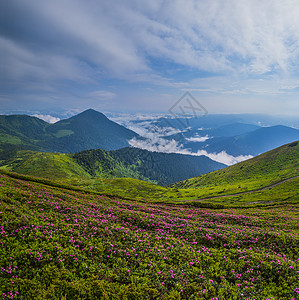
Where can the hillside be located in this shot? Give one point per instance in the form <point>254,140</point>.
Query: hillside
<point>21,131</point>
<point>265,169</point>
<point>59,243</point>
<point>87,130</point>
<point>154,167</point>
<point>166,166</point>
<point>99,171</point>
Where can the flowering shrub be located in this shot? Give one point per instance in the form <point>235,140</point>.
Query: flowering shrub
<point>62,244</point>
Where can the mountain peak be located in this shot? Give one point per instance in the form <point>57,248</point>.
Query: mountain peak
<point>90,114</point>
<point>90,111</point>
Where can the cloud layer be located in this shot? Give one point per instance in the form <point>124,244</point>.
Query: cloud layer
<point>162,145</point>
<point>120,36</point>
<point>99,51</point>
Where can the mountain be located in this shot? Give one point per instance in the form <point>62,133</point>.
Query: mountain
<point>212,121</point>
<point>237,135</point>
<point>222,131</point>
<point>270,177</point>
<point>166,167</point>
<point>270,167</point>
<point>21,131</point>
<point>237,139</point>
<point>254,142</point>
<point>198,139</point>
<point>232,130</point>
<point>87,130</point>
<point>160,168</point>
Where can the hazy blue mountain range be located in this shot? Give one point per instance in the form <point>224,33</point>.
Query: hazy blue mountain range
<point>222,131</point>
<point>235,134</point>
<point>219,120</point>
<point>218,133</point>
<point>251,143</point>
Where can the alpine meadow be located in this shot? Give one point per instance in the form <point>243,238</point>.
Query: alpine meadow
<point>149,150</point>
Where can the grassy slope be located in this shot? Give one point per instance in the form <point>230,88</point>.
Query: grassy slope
<point>62,166</point>
<point>46,165</point>
<point>153,167</point>
<point>129,188</point>
<point>142,190</point>
<point>263,170</point>
<point>66,168</point>
<point>62,244</point>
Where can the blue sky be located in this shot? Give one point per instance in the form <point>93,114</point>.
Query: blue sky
<point>65,56</point>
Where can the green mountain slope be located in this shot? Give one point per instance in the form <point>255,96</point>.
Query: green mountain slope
<point>42,164</point>
<point>22,131</point>
<point>158,168</point>
<point>163,168</point>
<point>58,242</point>
<point>87,130</point>
<point>237,185</point>
<point>265,169</point>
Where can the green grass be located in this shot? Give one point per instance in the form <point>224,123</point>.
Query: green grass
<point>62,243</point>
<point>47,165</point>
<point>264,170</point>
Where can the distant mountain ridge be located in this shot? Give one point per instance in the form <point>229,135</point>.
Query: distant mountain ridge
<point>237,138</point>
<point>254,142</point>
<point>87,130</point>
<point>93,130</point>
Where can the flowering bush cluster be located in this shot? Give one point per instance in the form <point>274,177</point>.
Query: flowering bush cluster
<point>62,244</point>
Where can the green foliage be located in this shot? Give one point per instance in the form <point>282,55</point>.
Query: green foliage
<point>265,169</point>
<point>128,162</point>
<point>164,168</point>
<point>65,244</point>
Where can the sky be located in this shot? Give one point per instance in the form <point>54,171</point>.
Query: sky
<point>64,56</point>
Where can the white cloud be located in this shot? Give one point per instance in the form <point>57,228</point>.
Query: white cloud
<point>156,145</point>
<point>224,158</point>
<point>47,118</point>
<point>144,124</point>
<point>244,36</point>
<point>161,145</point>
<point>198,139</point>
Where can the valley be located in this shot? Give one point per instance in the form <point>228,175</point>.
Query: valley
<point>149,150</point>
<point>136,224</point>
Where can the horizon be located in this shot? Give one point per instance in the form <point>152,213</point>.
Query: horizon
<point>143,114</point>
<point>130,56</point>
